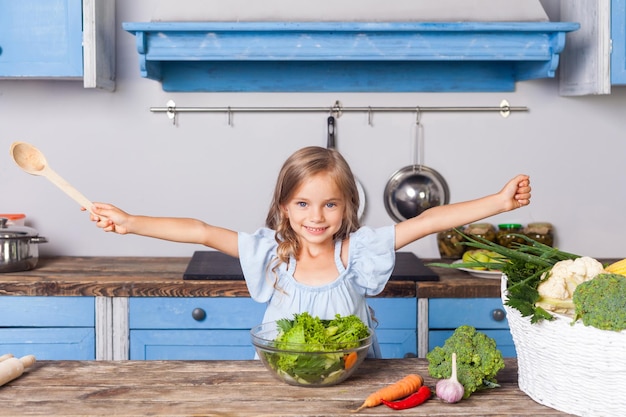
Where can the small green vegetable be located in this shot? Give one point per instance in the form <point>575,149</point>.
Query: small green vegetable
<point>478,360</point>
<point>306,333</point>
<point>601,302</point>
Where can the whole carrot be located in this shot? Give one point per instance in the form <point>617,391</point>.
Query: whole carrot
<point>403,388</point>
<point>411,401</point>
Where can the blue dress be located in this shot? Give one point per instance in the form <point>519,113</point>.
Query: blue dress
<point>371,258</point>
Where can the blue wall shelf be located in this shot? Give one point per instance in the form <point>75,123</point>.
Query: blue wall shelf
<point>347,56</point>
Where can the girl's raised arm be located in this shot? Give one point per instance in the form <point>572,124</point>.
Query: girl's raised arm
<point>184,230</point>
<point>515,194</point>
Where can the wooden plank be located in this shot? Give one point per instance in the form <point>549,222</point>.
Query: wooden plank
<point>242,388</point>
<point>162,277</point>
<point>99,44</point>
<point>586,59</point>
<point>133,276</point>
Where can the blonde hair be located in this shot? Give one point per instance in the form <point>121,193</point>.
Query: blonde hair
<point>300,166</point>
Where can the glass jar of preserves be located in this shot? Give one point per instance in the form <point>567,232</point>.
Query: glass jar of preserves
<point>505,236</point>
<point>483,230</point>
<point>450,244</point>
<point>541,232</point>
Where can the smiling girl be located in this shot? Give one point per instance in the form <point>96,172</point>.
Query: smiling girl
<point>313,256</point>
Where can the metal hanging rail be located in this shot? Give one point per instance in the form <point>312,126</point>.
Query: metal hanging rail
<point>337,109</point>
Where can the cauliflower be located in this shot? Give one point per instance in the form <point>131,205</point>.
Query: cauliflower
<point>556,291</point>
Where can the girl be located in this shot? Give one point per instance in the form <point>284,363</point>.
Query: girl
<point>313,255</point>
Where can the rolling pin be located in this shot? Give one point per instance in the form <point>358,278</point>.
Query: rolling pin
<point>6,356</point>
<point>11,368</point>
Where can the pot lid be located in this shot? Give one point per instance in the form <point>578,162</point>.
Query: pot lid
<point>9,231</point>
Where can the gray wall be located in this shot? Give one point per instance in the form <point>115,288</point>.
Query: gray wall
<point>113,149</point>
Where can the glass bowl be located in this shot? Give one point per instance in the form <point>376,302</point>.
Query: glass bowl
<point>308,365</point>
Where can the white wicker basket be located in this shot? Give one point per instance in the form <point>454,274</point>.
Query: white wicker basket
<point>572,368</point>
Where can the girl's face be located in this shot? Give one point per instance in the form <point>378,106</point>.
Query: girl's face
<point>316,209</point>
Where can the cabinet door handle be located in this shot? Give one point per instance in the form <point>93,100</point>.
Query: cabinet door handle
<point>498,314</point>
<point>198,314</point>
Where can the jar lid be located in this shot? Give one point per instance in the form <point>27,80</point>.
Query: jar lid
<point>11,232</point>
<point>13,216</point>
<point>479,228</point>
<point>507,226</point>
<point>541,228</point>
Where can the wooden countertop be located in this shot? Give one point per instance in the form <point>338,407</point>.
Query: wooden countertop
<point>233,388</point>
<point>162,277</point>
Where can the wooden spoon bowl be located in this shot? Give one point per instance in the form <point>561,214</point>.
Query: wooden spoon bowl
<point>32,161</point>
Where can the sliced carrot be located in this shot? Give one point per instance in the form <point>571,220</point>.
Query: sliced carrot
<point>349,360</point>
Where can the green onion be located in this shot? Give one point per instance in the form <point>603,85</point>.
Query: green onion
<point>525,266</point>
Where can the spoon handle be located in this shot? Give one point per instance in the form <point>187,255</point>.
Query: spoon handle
<point>67,188</point>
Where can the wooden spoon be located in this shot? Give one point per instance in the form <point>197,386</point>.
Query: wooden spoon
<point>32,161</point>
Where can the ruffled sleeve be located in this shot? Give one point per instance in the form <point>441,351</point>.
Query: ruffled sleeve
<point>256,252</point>
<point>372,257</point>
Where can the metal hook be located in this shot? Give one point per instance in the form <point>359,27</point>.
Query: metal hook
<point>336,109</point>
<point>171,111</point>
<point>230,116</point>
<point>418,115</point>
<point>370,116</point>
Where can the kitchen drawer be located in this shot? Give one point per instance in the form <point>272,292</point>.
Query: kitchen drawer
<point>76,343</point>
<point>503,338</point>
<point>481,313</point>
<point>178,313</point>
<point>27,311</point>
<point>397,343</point>
<point>54,328</point>
<point>190,345</point>
<point>394,313</point>
<point>397,326</point>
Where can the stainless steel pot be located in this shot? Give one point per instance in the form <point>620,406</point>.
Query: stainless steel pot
<point>18,247</point>
<point>415,188</point>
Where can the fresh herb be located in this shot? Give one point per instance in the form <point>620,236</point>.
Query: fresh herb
<point>526,266</point>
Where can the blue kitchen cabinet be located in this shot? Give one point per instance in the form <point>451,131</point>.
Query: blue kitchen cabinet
<point>174,328</point>
<point>164,328</point>
<point>51,328</point>
<point>397,326</point>
<point>618,42</point>
<point>485,314</point>
<point>62,39</point>
<point>594,59</point>
<point>41,38</point>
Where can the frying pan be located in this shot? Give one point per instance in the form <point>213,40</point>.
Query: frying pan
<point>415,188</point>
<point>332,132</point>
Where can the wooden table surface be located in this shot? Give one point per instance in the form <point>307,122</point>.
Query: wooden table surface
<point>163,277</point>
<point>233,388</point>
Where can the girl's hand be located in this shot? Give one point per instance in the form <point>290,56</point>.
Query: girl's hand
<point>109,218</point>
<point>517,192</point>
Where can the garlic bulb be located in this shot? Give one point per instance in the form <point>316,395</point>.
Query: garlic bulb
<point>450,390</point>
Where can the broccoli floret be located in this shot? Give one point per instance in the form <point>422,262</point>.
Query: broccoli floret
<point>601,302</point>
<point>478,359</point>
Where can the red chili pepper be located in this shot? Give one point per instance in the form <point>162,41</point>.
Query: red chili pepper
<point>413,400</point>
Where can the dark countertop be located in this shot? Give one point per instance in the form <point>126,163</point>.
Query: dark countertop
<point>163,277</point>
<point>234,388</point>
